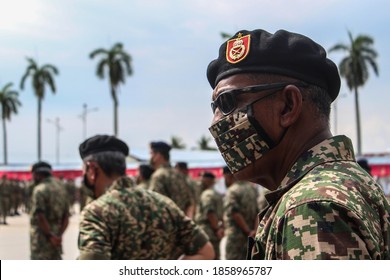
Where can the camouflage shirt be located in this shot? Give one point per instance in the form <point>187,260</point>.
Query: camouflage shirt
<point>167,181</point>
<point>210,201</point>
<point>50,199</point>
<point>327,207</point>
<point>129,222</point>
<point>241,197</point>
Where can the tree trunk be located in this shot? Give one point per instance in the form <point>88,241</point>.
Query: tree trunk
<point>115,99</point>
<point>39,127</point>
<point>359,143</point>
<point>5,142</point>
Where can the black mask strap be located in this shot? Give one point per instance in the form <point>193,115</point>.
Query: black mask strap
<point>259,128</point>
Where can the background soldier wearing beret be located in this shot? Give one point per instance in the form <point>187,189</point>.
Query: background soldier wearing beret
<point>271,103</point>
<point>49,214</point>
<point>128,222</point>
<point>166,181</point>
<point>209,214</point>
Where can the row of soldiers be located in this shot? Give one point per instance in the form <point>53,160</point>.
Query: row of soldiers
<point>15,196</point>
<point>12,194</point>
<point>233,214</point>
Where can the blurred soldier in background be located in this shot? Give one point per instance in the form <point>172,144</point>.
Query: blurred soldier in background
<point>145,172</point>
<point>49,215</point>
<point>16,197</point>
<point>166,181</point>
<point>5,199</point>
<point>71,190</point>
<point>210,212</point>
<point>127,222</point>
<point>194,185</point>
<point>240,215</point>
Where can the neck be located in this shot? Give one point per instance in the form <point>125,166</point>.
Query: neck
<point>283,157</point>
<point>104,183</point>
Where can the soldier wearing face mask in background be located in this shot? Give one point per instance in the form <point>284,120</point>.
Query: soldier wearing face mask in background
<point>271,104</point>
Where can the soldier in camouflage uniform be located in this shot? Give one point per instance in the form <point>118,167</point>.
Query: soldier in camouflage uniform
<point>49,215</point>
<point>128,222</point>
<point>166,181</point>
<point>5,197</point>
<point>271,102</point>
<point>209,215</point>
<point>195,187</point>
<point>240,215</point>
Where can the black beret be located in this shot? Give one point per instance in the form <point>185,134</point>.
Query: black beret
<point>182,165</point>
<point>102,143</point>
<point>207,174</point>
<point>41,166</point>
<point>283,53</point>
<point>160,146</point>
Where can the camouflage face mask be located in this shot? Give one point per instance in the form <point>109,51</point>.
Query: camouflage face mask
<point>240,139</point>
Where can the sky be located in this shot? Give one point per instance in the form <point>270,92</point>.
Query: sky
<point>171,43</point>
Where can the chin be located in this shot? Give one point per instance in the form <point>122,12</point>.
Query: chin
<point>253,174</point>
<point>247,174</point>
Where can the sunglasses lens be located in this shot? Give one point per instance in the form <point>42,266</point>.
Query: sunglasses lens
<point>226,102</point>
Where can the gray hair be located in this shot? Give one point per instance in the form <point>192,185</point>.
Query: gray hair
<point>112,163</point>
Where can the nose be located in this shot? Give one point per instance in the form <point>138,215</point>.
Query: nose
<point>217,116</point>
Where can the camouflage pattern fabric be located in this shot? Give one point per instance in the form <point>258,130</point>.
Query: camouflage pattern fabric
<point>129,222</point>
<point>210,201</point>
<point>5,199</point>
<point>241,197</point>
<point>166,181</point>
<point>144,184</point>
<point>196,189</point>
<point>327,207</point>
<point>238,141</point>
<point>50,199</point>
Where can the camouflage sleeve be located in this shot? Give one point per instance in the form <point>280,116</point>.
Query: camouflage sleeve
<point>94,240</point>
<point>208,202</point>
<point>189,235</point>
<point>231,204</point>
<point>321,230</point>
<point>157,184</point>
<point>38,202</point>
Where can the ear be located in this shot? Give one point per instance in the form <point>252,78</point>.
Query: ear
<point>292,97</point>
<point>91,170</point>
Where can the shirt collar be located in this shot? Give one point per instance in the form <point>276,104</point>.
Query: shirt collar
<point>337,148</point>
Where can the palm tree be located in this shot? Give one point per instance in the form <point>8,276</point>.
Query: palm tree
<point>225,35</point>
<point>177,143</point>
<point>9,105</point>
<point>40,77</point>
<point>204,144</point>
<point>354,68</point>
<point>118,63</point>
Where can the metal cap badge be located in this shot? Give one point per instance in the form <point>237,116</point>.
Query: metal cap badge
<point>237,49</point>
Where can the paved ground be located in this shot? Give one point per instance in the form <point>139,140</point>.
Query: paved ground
<point>15,243</point>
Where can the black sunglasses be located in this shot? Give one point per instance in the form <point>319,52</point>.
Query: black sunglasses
<point>226,101</point>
